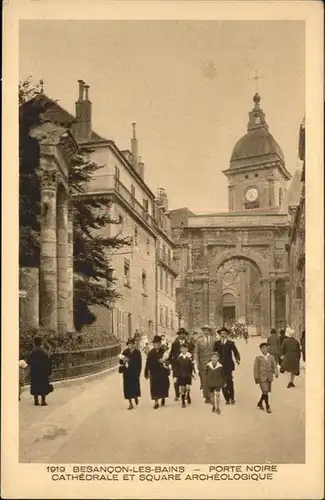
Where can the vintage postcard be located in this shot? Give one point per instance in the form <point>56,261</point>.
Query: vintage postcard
<point>163,250</point>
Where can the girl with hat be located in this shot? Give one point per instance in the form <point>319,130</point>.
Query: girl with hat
<point>157,371</point>
<point>130,367</point>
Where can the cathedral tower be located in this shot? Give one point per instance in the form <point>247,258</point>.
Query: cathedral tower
<point>257,176</point>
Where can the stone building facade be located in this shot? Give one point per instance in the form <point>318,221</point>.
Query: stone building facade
<point>167,271</point>
<point>140,215</point>
<point>296,248</point>
<point>137,214</point>
<point>234,263</point>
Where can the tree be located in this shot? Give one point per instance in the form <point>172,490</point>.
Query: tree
<point>93,282</point>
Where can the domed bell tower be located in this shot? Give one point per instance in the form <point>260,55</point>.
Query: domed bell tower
<point>257,176</point>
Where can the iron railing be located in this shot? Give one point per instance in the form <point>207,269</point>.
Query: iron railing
<point>139,209</point>
<point>166,259</point>
<point>73,364</point>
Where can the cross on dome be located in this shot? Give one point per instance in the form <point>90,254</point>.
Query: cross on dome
<point>257,77</point>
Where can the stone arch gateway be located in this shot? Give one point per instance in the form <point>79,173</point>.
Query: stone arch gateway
<point>255,229</point>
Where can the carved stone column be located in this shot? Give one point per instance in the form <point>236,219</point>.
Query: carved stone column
<point>287,303</point>
<point>213,300</point>
<point>242,295</point>
<point>70,325</point>
<point>273,310</point>
<point>63,259</point>
<point>48,244</point>
<point>271,190</point>
<point>231,197</point>
<point>206,309</point>
<point>48,135</point>
<point>265,308</point>
<point>188,312</point>
<point>189,257</point>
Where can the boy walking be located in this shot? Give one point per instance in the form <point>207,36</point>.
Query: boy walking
<point>265,368</point>
<point>215,380</point>
<point>183,373</point>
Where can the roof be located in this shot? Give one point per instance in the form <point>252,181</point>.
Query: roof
<point>180,216</point>
<point>56,114</point>
<point>256,142</point>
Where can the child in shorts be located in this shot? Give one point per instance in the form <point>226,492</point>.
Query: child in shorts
<point>265,368</point>
<point>184,372</point>
<point>215,380</point>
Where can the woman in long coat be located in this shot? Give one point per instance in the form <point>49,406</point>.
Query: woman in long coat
<point>130,367</point>
<point>291,357</point>
<point>40,368</point>
<point>157,371</point>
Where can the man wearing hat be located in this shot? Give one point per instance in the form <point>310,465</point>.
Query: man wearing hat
<point>181,339</point>
<point>203,350</point>
<point>157,372</point>
<point>227,352</point>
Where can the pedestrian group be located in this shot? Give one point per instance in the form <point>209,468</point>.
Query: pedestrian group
<point>213,360</point>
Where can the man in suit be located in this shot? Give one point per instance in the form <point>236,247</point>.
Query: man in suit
<point>203,350</point>
<point>228,354</point>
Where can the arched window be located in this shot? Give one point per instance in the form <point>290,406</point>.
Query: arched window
<point>280,196</point>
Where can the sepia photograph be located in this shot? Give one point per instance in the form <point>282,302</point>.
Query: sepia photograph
<point>162,194</point>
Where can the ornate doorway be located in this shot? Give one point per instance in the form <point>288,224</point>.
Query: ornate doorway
<point>228,307</point>
<point>241,289</point>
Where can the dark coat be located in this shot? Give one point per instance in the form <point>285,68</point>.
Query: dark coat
<point>291,356</point>
<point>184,367</point>
<point>158,373</point>
<point>273,341</point>
<point>282,338</point>
<point>131,373</point>
<point>215,378</point>
<point>176,350</point>
<point>40,368</point>
<point>227,352</point>
<point>303,344</point>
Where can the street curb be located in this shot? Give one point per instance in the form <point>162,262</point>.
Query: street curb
<point>85,378</point>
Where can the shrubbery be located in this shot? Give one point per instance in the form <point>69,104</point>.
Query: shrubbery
<point>55,342</point>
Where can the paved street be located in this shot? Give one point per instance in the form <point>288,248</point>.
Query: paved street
<point>89,423</point>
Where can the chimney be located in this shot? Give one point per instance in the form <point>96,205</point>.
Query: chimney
<point>81,90</point>
<point>82,127</point>
<point>162,199</point>
<point>141,168</point>
<point>134,149</point>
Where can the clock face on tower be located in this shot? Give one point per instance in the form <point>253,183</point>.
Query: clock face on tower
<point>251,194</point>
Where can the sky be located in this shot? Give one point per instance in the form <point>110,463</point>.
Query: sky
<point>187,84</point>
